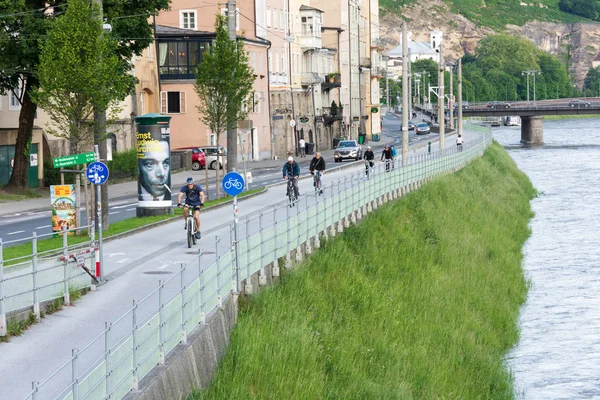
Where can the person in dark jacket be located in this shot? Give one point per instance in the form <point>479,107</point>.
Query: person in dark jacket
<point>388,155</point>
<point>291,170</point>
<point>369,158</point>
<point>318,164</point>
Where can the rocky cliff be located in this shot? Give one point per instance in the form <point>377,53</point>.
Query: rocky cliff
<point>579,43</point>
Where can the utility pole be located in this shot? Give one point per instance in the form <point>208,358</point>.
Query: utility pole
<point>100,141</point>
<point>387,86</point>
<point>404,93</point>
<point>450,100</point>
<point>441,97</point>
<point>232,151</point>
<point>410,100</point>
<point>460,121</point>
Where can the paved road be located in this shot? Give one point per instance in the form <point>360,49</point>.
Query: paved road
<point>19,226</point>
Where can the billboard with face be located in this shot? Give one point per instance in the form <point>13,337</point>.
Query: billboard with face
<point>154,166</point>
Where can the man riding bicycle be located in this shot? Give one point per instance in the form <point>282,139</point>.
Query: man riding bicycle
<point>291,170</point>
<point>318,164</point>
<point>194,197</point>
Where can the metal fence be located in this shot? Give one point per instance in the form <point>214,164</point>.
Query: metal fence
<point>119,356</point>
<point>39,276</point>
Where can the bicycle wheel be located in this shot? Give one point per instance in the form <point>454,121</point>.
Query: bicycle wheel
<point>190,233</point>
<point>194,240</point>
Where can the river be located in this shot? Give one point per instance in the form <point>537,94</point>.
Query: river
<point>558,354</point>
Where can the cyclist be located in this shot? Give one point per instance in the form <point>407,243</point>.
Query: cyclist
<point>318,164</point>
<point>388,155</point>
<point>291,170</point>
<point>369,157</point>
<point>194,197</point>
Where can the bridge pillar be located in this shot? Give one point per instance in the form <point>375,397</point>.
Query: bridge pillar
<point>532,129</point>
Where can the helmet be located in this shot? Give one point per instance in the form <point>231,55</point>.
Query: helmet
<point>368,147</point>
<point>290,158</point>
<point>190,181</point>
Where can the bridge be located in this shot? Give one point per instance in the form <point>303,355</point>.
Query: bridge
<point>531,113</point>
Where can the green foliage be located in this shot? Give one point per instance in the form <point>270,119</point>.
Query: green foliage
<point>79,69</point>
<point>124,164</point>
<point>428,313</point>
<point>224,82</point>
<point>592,81</point>
<point>584,8</point>
<point>496,14</point>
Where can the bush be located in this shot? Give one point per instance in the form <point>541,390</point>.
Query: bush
<point>123,165</point>
<point>52,175</point>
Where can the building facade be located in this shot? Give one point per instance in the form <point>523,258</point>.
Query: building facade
<point>183,33</point>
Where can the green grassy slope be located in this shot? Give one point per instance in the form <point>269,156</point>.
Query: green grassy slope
<point>497,13</point>
<point>420,301</point>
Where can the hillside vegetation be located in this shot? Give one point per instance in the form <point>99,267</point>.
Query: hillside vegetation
<point>419,301</point>
<point>496,14</point>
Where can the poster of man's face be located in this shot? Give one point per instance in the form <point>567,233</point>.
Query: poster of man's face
<point>155,172</point>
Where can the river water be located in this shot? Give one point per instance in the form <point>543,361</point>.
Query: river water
<point>558,354</point>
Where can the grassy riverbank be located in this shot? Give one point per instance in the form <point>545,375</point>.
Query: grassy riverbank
<point>420,301</point>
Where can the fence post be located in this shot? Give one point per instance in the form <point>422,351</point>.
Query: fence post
<point>134,345</point>
<point>161,322</point>
<point>201,277</point>
<point>66,295</point>
<point>288,253</point>
<point>183,304</point>
<point>275,270</point>
<point>34,389</point>
<point>75,373</point>
<point>219,299</point>
<point>248,286</point>
<point>262,279</point>
<point>2,310</point>
<point>107,352</point>
<point>34,264</point>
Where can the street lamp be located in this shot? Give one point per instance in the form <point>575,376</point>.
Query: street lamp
<point>533,72</point>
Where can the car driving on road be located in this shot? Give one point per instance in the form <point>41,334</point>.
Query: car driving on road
<point>576,103</point>
<point>347,149</point>
<point>498,104</point>
<point>422,128</point>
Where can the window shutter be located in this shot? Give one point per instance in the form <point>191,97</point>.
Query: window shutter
<point>182,103</point>
<point>163,102</point>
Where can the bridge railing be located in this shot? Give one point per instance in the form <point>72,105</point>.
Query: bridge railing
<point>127,349</point>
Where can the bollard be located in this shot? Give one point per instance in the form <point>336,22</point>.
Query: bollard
<point>429,147</point>
<point>2,311</point>
<point>66,294</point>
<point>34,264</point>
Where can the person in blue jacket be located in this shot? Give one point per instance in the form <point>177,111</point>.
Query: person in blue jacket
<point>291,170</point>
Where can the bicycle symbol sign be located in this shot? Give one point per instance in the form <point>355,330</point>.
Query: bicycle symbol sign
<point>97,173</point>
<point>233,183</point>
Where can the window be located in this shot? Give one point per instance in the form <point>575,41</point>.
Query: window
<point>253,55</point>
<point>270,61</point>
<point>281,20</point>
<point>224,12</point>
<point>187,19</point>
<point>14,99</point>
<point>260,63</point>
<point>213,139</point>
<point>113,142</point>
<point>275,18</point>
<point>142,103</point>
<point>283,61</point>
<point>151,52</point>
<point>257,103</point>
<point>172,103</point>
<point>276,61</point>
<point>268,17</point>
<point>307,26</point>
<point>179,60</point>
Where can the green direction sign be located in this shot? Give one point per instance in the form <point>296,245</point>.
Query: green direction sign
<point>66,161</point>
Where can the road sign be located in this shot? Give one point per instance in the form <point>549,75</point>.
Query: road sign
<point>233,183</point>
<point>74,159</point>
<point>97,173</point>
<point>292,123</point>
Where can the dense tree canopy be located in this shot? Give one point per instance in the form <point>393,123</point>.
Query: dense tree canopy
<point>583,8</point>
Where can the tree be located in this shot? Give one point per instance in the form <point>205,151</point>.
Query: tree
<point>19,45</point>
<point>73,79</point>
<point>224,83</point>
<point>592,81</point>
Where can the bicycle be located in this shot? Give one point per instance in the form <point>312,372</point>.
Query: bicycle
<point>317,182</point>
<point>291,192</point>
<point>191,227</point>
<point>232,183</point>
<point>368,168</point>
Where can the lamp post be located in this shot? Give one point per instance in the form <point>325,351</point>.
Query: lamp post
<point>533,72</point>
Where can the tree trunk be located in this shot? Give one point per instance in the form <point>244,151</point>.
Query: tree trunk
<point>100,140</point>
<point>18,179</point>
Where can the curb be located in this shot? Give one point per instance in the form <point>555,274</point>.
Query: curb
<point>166,221</point>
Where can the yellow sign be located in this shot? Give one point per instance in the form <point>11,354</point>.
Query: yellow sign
<point>63,200</point>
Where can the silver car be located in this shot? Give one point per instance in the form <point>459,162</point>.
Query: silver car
<point>347,149</point>
<point>211,153</point>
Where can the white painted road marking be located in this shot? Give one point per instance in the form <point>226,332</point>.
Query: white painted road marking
<point>123,206</point>
<point>122,261</point>
<point>131,209</point>
<point>15,233</point>
<point>114,212</point>
<point>44,227</point>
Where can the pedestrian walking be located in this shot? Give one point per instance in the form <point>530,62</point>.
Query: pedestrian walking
<point>302,145</point>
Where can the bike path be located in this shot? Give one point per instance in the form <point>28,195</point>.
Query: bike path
<point>134,266</point>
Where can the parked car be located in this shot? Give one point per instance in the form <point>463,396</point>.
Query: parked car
<point>465,105</point>
<point>347,149</point>
<point>498,104</point>
<point>411,125</point>
<point>211,153</point>
<point>423,128</point>
<point>198,157</point>
<point>579,103</point>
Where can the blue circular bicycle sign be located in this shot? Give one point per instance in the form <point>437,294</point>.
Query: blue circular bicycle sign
<point>97,173</point>
<point>233,183</point>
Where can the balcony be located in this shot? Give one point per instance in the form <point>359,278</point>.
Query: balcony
<point>329,118</point>
<point>378,44</point>
<point>377,72</point>
<point>365,62</point>
<point>309,79</point>
<point>332,81</point>
<point>310,42</point>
